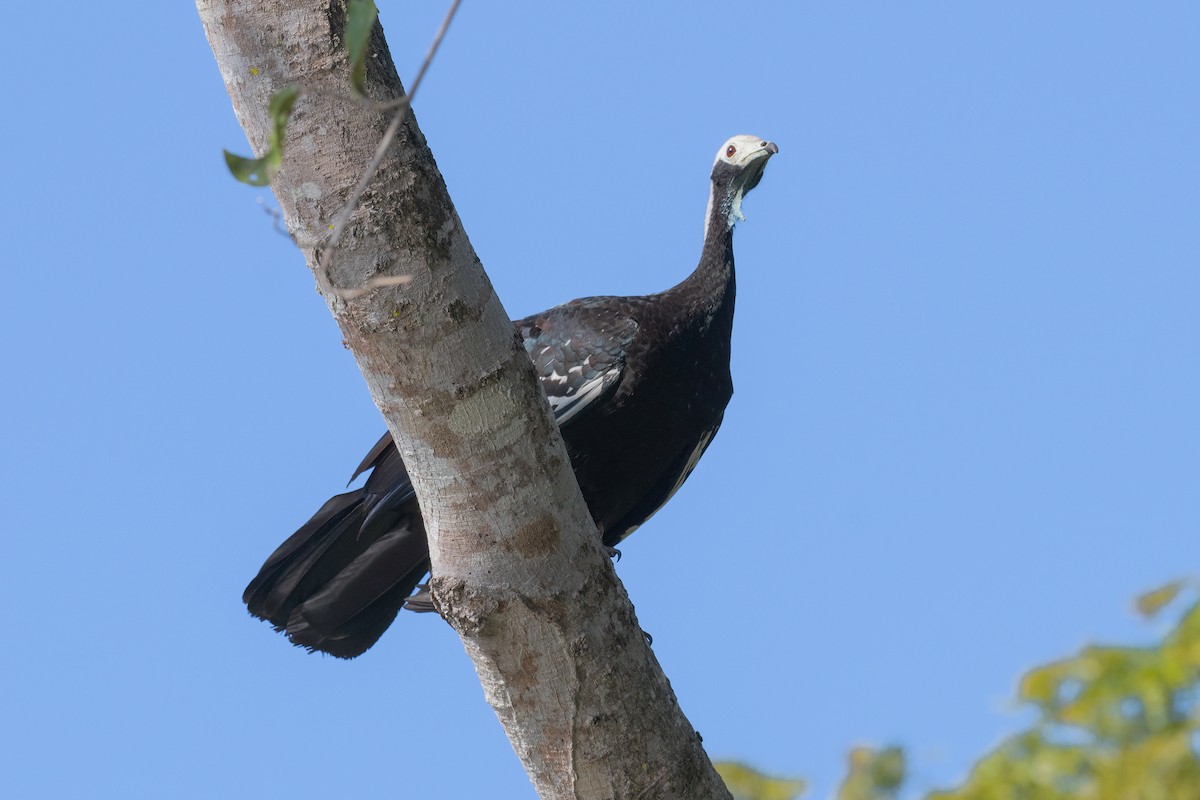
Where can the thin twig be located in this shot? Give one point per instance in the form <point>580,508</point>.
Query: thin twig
<point>276,220</point>
<point>433,48</point>
<point>401,106</point>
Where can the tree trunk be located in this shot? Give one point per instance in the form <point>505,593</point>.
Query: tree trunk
<point>518,567</point>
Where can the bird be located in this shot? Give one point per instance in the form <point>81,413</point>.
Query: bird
<point>638,387</point>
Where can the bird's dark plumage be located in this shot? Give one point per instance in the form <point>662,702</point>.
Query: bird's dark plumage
<point>638,386</point>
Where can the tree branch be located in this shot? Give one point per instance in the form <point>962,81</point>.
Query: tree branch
<point>400,109</point>
<point>518,567</point>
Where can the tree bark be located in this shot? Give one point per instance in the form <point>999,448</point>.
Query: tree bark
<point>518,569</point>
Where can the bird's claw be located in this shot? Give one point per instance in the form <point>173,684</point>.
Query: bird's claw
<point>612,552</point>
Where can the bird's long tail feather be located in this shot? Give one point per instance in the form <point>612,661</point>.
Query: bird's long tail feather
<point>336,584</point>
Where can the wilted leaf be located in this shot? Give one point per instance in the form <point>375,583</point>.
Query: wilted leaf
<point>260,171</point>
<point>360,19</point>
<point>747,783</point>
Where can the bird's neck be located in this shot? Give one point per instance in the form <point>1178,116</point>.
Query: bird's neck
<point>709,291</point>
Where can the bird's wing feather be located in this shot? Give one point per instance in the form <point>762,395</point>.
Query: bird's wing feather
<point>578,351</point>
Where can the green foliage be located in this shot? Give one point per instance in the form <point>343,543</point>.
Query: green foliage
<point>260,171</point>
<point>360,19</point>
<point>747,783</point>
<point>1154,601</point>
<point>873,775</point>
<point>1113,723</point>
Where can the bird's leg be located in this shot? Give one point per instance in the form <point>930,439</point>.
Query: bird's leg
<point>611,552</point>
<point>421,601</point>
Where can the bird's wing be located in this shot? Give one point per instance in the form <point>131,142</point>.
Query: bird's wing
<point>578,351</point>
<point>337,583</point>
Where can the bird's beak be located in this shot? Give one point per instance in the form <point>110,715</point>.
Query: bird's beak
<point>753,171</point>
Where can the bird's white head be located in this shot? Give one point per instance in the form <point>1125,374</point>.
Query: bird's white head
<point>737,169</point>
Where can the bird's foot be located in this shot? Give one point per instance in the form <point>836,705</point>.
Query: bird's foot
<point>422,601</point>
<point>612,552</point>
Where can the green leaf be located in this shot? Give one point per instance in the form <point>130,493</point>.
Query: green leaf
<point>888,769</point>
<point>260,171</point>
<point>360,19</point>
<point>1152,602</point>
<point>1043,685</point>
<point>1116,723</point>
<point>747,783</point>
<point>281,108</point>
<point>874,774</point>
<point>254,171</point>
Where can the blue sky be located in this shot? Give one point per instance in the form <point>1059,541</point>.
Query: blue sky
<point>964,432</point>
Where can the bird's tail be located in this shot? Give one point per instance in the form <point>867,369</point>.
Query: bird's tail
<point>337,583</point>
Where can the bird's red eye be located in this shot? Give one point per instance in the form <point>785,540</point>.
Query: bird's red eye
<point>729,151</point>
